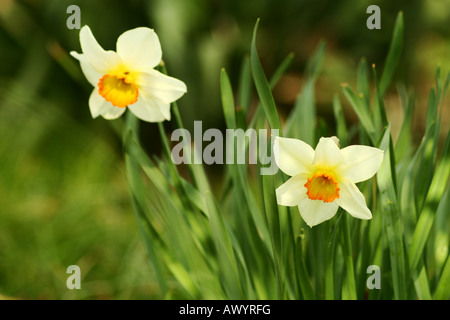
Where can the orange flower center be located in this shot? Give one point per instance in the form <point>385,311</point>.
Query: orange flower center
<point>322,186</point>
<point>118,90</point>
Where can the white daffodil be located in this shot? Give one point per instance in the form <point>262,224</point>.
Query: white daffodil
<point>324,179</point>
<point>127,78</point>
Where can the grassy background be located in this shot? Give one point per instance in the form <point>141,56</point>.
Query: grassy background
<point>63,192</point>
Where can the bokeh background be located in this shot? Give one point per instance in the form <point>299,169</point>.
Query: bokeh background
<point>63,191</point>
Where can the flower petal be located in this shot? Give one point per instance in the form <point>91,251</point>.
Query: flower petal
<point>140,48</point>
<point>91,74</point>
<point>102,61</point>
<point>317,211</point>
<point>164,88</point>
<point>150,110</point>
<point>360,162</point>
<point>99,106</point>
<point>352,200</point>
<point>96,103</point>
<point>293,156</point>
<point>293,191</point>
<point>327,153</point>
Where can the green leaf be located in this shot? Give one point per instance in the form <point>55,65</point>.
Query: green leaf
<point>393,56</point>
<point>348,253</point>
<point>362,83</point>
<point>262,86</point>
<point>443,288</point>
<point>302,122</point>
<point>341,127</point>
<point>405,138</point>
<point>281,69</point>
<point>391,214</point>
<point>245,86</point>
<point>225,254</point>
<point>227,100</point>
<point>271,211</point>
<point>364,116</point>
<point>434,196</point>
<point>302,272</point>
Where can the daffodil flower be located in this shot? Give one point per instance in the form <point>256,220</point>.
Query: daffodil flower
<point>127,78</point>
<point>325,178</point>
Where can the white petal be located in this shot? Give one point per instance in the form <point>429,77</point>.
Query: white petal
<point>159,86</point>
<point>294,156</point>
<point>292,191</point>
<point>352,200</point>
<point>99,59</point>
<point>150,110</point>
<point>317,211</point>
<point>327,153</point>
<point>360,162</point>
<point>112,112</point>
<point>91,74</point>
<point>139,48</point>
<point>96,103</point>
<point>100,107</point>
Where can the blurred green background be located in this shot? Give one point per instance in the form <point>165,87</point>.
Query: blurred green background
<point>63,191</point>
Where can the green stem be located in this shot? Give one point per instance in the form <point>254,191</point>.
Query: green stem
<point>351,287</point>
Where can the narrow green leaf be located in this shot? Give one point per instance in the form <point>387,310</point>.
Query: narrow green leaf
<point>405,138</point>
<point>281,69</point>
<point>245,86</point>
<point>379,112</point>
<point>434,196</point>
<point>391,214</point>
<point>358,106</point>
<point>238,172</point>
<point>347,247</point>
<point>227,100</point>
<point>273,81</point>
<point>302,121</point>
<point>421,283</point>
<point>262,86</point>
<point>271,211</point>
<point>330,265</point>
<point>443,288</point>
<point>225,254</point>
<point>362,83</point>
<point>341,127</point>
<point>302,272</point>
<point>393,56</point>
